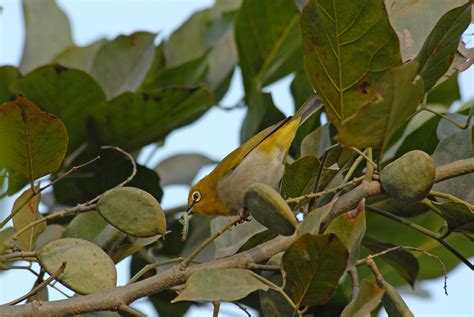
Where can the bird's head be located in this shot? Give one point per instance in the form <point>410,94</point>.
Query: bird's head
<point>204,199</point>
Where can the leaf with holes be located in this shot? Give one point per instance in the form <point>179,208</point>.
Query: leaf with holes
<point>375,123</point>
<point>347,48</point>
<point>440,47</point>
<point>213,285</point>
<point>27,214</point>
<point>33,142</point>
<point>88,268</point>
<point>314,264</point>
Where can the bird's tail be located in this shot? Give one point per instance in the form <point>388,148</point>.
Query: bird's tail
<point>312,105</point>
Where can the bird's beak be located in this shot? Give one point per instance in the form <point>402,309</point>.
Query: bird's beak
<point>189,210</point>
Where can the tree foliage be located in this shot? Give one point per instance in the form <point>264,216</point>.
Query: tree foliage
<point>73,119</point>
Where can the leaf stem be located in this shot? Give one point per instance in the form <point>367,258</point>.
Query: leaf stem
<point>452,198</point>
<point>422,230</point>
<point>370,167</point>
<point>459,125</point>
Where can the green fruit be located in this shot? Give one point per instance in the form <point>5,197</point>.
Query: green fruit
<point>270,209</point>
<point>410,177</point>
<point>133,211</point>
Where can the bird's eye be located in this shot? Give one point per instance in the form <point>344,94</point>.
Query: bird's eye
<point>196,196</point>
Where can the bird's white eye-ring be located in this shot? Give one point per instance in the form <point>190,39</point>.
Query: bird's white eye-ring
<point>196,196</point>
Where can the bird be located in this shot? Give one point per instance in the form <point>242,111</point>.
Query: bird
<point>259,160</point>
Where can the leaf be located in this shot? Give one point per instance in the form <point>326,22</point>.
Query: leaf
<point>439,49</point>
<point>335,32</point>
<point>85,226</point>
<point>60,91</point>
<point>270,209</point>
<point>225,284</point>
<point>458,146</point>
<point>79,57</point>
<point>413,20</point>
<point>88,268</point>
<point>47,32</point>
<point>133,211</point>
<point>231,240</point>
<point>269,44</point>
<point>314,264</point>
<point>446,128</point>
<point>121,64</point>
<point>401,260</point>
<point>445,93</point>
<point>398,207</point>
<point>111,169</point>
<point>51,233</point>
<point>350,231</point>
<point>8,74</point>
<point>316,142</point>
<point>33,142</point>
<point>5,236</point>
<point>300,177</point>
<point>261,114</point>
<point>367,300</point>
<point>121,121</point>
<point>374,124</point>
<point>130,246</point>
<point>27,214</point>
<point>393,302</point>
<point>196,37</point>
<point>181,169</point>
<point>312,221</point>
<point>191,73</point>
<point>459,217</point>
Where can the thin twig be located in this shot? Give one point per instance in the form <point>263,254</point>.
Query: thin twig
<point>264,267</point>
<point>452,198</point>
<point>209,240</point>
<point>242,308</point>
<point>14,256</point>
<point>352,271</point>
<point>35,193</point>
<point>40,286</point>
<point>353,168</point>
<point>217,307</point>
<point>459,125</point>
<point>148,267</point>
<point>368,159</point>
<point>355,181</point>
<point>370,167</point>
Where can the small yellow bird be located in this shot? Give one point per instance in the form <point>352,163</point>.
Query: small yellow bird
<point>258,160</point>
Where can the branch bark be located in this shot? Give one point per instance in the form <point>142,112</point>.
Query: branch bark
<point>113,299</point>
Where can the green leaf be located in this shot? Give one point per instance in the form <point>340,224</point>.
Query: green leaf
<point>231,240</point>
<point>458,146</point>
<point>213,285</point>
<point>85,226</point>
<point>374,124</point>
<point>5,236</point>
<point>261,114</point>
<point>445,93</point>
<point>133,211</point>
<point>47,32</point>
<point>459,217</point>
<point>130,246</point>
<point>33,142</point>
<point>133,120</point>
<point>8,74</point>
<point>316,142</point>
<point>111,169</point>
<point>60,91</point>
<point>181,169</point>
<point>414,20</point>
<point>191,73</point>
<point>312,221</point>
<point>367,300</point>
<point>401,260</point>
<point>393,302</point>
<point>79,57</point>
<point>88,268</point>
<point>198,36</point>
<point>268,208</point>
<point>334,33</point>
<point>300,177</point>
<point>121,64</point>
<point>27,214</point>
<point>51,233</point>
<point>446,128</point>
<point>439,49</point>
<point>314,264</point>
<point>269,44</point>
<point>350,231</point>
<point>398,207</point>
